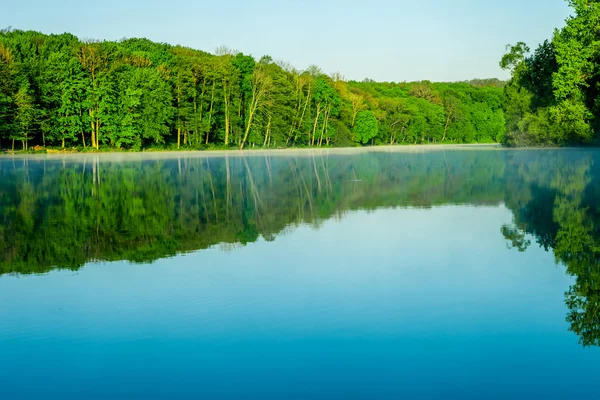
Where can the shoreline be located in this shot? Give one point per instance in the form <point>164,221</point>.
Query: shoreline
<point>158,154</point>
<point>120,156</point>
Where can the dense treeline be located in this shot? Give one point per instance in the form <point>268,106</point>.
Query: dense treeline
<point>56,90</point>
<point>554,95</point>
<point>65,213</point>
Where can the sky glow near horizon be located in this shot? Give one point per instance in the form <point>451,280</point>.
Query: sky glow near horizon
<point>385,40</point>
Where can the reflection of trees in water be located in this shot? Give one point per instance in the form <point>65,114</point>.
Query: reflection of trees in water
<point>556,200</point>
<point>57,213</point>
<point>62,214</point>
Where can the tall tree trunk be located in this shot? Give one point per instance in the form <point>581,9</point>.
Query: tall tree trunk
<point>195,117</point>
<point>254,103</point>
<point>97,132</point>
<point>82,133</point>
<point>312,141</point>
<point>303,112</point>
<point>226,101</point>
<point>93,122</point>
<point>267,138</point>
<point>210,111</point>
<point>63,135</point>
<point>325,117</point>
<point>446,127</point>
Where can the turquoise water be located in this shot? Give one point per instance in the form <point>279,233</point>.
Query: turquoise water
<point>433,274</point>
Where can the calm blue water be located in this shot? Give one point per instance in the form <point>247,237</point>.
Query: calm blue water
<point>378,276</point>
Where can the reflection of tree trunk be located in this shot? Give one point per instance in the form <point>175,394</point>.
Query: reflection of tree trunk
<point>212,188</point>
<point>316,174</point>
<point>97,182</point>
<point>83,178</point>
<point>447,166</point>
<point>206,214</point>
<point>253,189</point>
<point>228,189</point>
<point>268,164</point>
<point>327,178</point>
<point>27,169</point>
<point>300,193</point>
<point>98,169</point>
<point>196,192</point>
<point>308,193</point>
<point>95,177</point>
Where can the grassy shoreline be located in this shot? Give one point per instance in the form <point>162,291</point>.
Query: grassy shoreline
<point>166,153</point>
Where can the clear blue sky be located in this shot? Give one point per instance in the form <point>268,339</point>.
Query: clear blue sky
<point>392,40</point>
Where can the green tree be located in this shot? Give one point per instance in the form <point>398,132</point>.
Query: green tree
<point>25,114</point>
<point>366,127</point>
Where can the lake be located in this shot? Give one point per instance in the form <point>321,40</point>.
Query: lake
<point>420,273</point>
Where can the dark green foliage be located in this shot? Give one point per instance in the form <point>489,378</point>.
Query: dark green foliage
<point>552,98</point>
<point>58,91</point>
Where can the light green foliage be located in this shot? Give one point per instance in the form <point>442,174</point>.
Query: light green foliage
<point>426,112</point>
<point>135,94</point>
<point>366,128</point>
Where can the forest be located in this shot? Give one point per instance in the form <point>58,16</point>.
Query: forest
<point>553,97</point>
<point>59,92</point>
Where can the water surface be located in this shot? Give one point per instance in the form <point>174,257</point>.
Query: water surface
<point>420,274</point>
